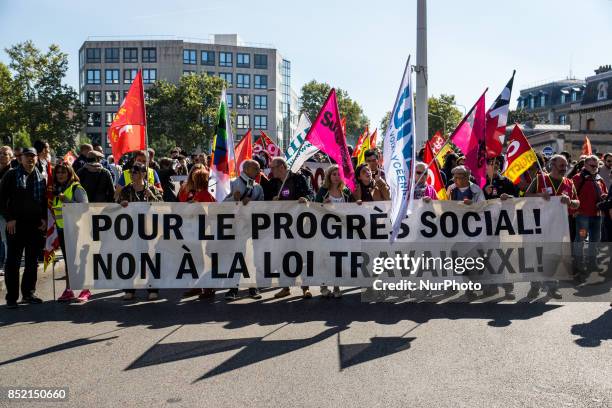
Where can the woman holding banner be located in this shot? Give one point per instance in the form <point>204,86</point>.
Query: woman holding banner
<point>368,188</point>
<point>138,190</point>
<point>333,191</point>
<point>66,189</point>
<point>195,190</point>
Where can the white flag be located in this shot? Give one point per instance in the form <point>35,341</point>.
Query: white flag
<point>399,153</point>
<point>300,150</point>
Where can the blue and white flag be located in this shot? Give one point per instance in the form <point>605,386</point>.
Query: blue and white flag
<point>399,153</point>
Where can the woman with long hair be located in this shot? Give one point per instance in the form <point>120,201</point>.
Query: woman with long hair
<point>66,189</point>
<point>334,191</point>
<point>195,190</point>
<point>368,188</point>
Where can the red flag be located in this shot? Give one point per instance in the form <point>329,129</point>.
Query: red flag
<point>434,178</point>
<point>437,141</point>
<point>373,139</point>
<point>51,241</point>
<point>266,144</point>
<point>343,124</point>
<point>519,155</point>
<point>497,118</point>
<point>359,143</point>
<point>469,137</point>
<point>244,150</point>
<point>586,147</point>
<point>69,158</point>
<point>127,133</point>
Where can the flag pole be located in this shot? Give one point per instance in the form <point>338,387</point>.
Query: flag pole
<point>144,107</point>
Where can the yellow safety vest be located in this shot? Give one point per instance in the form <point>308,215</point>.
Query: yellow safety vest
<point>127,176</point>
<point>57,204</point>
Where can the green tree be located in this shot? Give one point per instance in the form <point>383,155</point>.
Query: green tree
<point>384,123</point>
<point>41,105</point>
<point>184,114</point>
<point>521,116</point>
<point>313,96</point>
<point>21,139</point>
<point>443,114</point>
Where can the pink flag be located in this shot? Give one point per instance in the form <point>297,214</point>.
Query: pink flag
<point>469,137</point>
<point>327,134</point>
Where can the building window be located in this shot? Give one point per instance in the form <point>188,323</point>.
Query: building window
<point>111,76</point>
<point>108,118</point>
<point>261,81</point>
<point>129,75</point>
<point>261,122</point>
<point>149,75</point>
<point>590,124</point>
<point>243,102</point>
<point>225,59</point>
<point>542,100</point>
<point>602,91</point>
<point>130,55</point>
<point>81,58</point>
<point>208,57</point>
<point>243,81</point>
<point>188,72</point>
<point>93,77</point>
<point>93,55</point>
<point>210,73</point>
<point>189,57</point>
<point>242,122</point>
<point>563,98</point>
<point>562,119</point>
<point>261,101</point>
<point>94,97</point>
<point>96,138</point>
<point>574,96</point>
<point>243,60</point>
<point>93,119</point>
<point>229,99</point>
<point>111,55</point>
<point>261,61</point>
<point>227,77</point>
<point>149,55</point>
<point>531,102</point>
<point>124,94</point>
<point>111,98</point>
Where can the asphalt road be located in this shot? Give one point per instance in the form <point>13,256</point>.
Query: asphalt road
<point>297,353</point>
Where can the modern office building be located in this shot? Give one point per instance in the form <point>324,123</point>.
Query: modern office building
<point>258,79</point>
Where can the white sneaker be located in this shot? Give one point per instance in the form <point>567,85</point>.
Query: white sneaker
<point>337,293</point>
<point>325,292</point>
<point>153,296</point>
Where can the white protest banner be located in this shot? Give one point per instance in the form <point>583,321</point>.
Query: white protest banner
<point>180,245</point>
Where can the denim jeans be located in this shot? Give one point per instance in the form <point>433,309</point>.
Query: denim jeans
<point>591,227</point>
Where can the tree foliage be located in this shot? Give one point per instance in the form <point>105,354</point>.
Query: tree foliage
<point>443,114</point>
<point>184,114</point>
<point>313,97</point>
<point>34,101</point>
<point>521,116</point>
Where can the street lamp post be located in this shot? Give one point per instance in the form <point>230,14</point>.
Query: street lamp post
<point>443,123</point>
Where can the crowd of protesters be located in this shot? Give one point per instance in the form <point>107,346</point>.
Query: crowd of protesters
<point>30,184</point>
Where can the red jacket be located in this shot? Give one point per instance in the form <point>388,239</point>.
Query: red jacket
<point>586,187</point>
<point>200,196</point>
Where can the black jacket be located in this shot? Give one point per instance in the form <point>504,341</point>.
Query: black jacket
<point>295,187</point>
<point>98,185</point>
<point>18,203</point>
<point>79,163</point>
<point>501,185</point>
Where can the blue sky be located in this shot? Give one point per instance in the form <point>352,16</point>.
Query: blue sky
<point>360,46</point>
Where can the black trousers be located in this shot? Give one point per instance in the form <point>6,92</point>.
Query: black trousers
<point>27,238</point>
